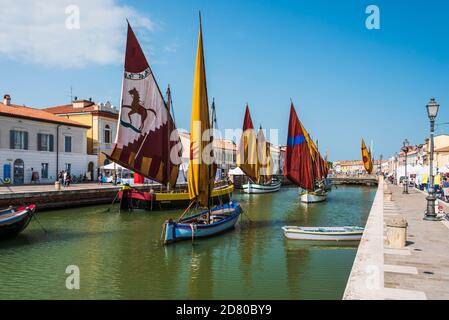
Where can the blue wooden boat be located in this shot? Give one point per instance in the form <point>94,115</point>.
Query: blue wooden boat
<point>221,218</point>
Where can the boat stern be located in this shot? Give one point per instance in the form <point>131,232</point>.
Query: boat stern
<point>170,232</point>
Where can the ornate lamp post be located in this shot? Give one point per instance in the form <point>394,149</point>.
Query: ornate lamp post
<point>405,150</point>
<point>432,111</point>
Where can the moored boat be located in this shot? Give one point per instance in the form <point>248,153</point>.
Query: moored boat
<point>349,233</point>
<point>313,196</point>
<point>15,220</point>
<point>203,224</point>
<point>255,188</point>
<point>202,171</point>
<point>304,165</point>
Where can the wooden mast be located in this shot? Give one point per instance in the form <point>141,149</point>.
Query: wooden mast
<point>167,169</point>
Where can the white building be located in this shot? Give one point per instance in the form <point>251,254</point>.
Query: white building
<point>35,145</point>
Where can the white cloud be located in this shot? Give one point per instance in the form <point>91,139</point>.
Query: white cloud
<point>35,31</point>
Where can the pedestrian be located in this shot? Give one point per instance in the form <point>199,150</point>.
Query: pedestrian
<point>64,178</point>
<point>68,179</point>
<point>100,178</point>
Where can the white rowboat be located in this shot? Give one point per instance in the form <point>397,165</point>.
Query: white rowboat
<point>274,186</point>
<point>323,233</point>
<point>313,197</point>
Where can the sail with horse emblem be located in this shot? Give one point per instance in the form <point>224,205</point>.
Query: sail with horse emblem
<point>146,133</point>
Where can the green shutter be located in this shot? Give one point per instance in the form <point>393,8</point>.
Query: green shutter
<point>39,142</point>
<point>51,142</point>
<point>26,140</point>
<point>11,139</point>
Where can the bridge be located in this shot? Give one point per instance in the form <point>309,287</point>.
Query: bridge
<point>364,179</point>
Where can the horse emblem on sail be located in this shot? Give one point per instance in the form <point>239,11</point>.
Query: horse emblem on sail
<point>137,108</point>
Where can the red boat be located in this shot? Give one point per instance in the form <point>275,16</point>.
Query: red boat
<point>15,220</point>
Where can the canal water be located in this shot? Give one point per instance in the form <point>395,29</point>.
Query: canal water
<point>120,255</point>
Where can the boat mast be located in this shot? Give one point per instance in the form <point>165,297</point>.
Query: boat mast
<point>167,169</point>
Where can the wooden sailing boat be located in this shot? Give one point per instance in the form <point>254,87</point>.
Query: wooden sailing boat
<point>254,158</point>
<point>304,165</point>
<point>201,171</point>
<point>147,141</point>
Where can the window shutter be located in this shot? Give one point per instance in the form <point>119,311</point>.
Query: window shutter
<point>26,140</point>
<point>39,142</point>
<point>11,139</point>
<point>51,142</point>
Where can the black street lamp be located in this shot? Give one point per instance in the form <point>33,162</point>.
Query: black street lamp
<point>432,111</point>
<point>396,158</point>
<point>405,150</point>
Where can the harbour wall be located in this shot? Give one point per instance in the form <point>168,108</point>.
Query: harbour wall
<point>366,281</point>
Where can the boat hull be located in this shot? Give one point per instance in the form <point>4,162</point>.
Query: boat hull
<point>313,197</point>
<point>323,234</point>
<point>14,221</point>
<point>254,188</point>
<point>225,217</point>
<point>167,200</point>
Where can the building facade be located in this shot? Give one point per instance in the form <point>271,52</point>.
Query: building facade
<point>35,145</point>
<point>102,120</point>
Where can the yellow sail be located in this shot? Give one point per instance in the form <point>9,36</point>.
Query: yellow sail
<point>200,164</point>
<point>366,158</point>
<point>312,147</point>
<point>265,160</point>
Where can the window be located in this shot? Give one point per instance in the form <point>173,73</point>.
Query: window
<point>68,167</point>
<point>44,142</point>
<point>44,170</point>
<point>107,134</point>
<point>68,144</point>
<point>18,140</point>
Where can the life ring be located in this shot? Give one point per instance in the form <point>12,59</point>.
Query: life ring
<point>6,181</point>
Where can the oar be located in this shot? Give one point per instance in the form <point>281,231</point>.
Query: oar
<point>113,201</point>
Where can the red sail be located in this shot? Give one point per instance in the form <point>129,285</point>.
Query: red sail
<point>298,161</point>
<point>147,141</point>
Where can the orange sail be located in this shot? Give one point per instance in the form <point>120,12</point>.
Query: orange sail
<point>366,158</point>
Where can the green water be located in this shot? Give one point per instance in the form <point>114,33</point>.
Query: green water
<point>120,256</point>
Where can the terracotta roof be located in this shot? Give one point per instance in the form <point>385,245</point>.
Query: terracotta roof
<point>36,115</point>
<point>68,108</point>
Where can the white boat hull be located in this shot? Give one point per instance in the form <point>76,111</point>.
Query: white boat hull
<point>255,188</point>
<point>313,197</point>
<point>323,234</point>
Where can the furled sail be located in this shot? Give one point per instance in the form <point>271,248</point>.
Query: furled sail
<point>247,155</point>
<point>147,141</point>
<point>265,160</point>
<point>201,165</point>
<point>366,158</point>
<point>298,165</point>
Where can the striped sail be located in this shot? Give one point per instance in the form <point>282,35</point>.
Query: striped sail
<point>147,141</point>
<point>247,154</point>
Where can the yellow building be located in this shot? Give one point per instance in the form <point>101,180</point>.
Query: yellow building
<point>102,119</point>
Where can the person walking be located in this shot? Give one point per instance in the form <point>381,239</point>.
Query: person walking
<point>64,178</point>
<point>100,178</point>
<point>68,180</point>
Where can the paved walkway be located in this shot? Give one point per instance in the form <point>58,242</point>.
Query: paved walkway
<point>423,266</point>
<point>418,271</point>
<point>12,189</point>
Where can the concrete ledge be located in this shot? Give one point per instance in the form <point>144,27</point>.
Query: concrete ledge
<point>366,281</point>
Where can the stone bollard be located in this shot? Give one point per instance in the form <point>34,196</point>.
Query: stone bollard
<point>388,195</point>
<point>397,232</point>
<point>57,186</point>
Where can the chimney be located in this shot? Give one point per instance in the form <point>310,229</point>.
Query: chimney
<point>7,100</point>
<point>80,104</point>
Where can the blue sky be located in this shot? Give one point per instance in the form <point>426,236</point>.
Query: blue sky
<point>346,81</point>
